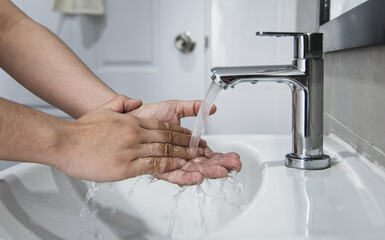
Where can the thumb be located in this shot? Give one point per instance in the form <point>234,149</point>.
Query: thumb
<point>122,104</point>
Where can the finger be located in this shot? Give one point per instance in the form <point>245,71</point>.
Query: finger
<point>182,178</point>
<point>190,108</point>
<point>152,124</point>
<point>215,171</point>
<point>229,160</point>
<point>198,105</point>
<point>167,150</point>
<point>213,109</point>
<point>207,170</point>
<point>166,136</point>
<point>154,165</point>
<point>203,143</point>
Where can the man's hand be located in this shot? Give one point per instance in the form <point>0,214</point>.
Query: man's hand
<point>106,145</point>
<point>211,165</point>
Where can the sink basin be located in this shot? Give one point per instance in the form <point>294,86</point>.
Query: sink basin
<point>345,201</point>
<point>39,202</point>
<point>265,200</point>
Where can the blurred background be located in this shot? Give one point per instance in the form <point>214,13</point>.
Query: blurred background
<point>130,46</point>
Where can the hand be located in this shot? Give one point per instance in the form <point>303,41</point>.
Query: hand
<point>106,145</point>
<point>212,165</point>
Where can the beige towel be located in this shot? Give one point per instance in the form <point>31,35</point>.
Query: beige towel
<point>92,7</point>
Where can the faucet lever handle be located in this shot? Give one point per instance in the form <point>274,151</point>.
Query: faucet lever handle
<point>280,34</point>
<point>307,45</point>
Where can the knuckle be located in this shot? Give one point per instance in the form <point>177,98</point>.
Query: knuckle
<point>159,165</point>
<point>132,134</point>
<point>172,137</point>
<point>133,131</point>
<point>154,162</point>
<point>168,149</point>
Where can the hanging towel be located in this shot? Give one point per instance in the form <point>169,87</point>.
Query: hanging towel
<point>92,7</point>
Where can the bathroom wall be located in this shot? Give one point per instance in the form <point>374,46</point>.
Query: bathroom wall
<point>264,108</point>
<point>354,92</point>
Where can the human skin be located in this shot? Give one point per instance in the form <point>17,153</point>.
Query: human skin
<point>194,171</point>
<point>112,126</point>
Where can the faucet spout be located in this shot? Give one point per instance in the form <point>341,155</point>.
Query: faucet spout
<point>305,79</point>
<point>227,77</point>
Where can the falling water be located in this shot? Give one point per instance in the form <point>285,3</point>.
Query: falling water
<point>173,215</point>
<point>213,200</point>
<point>204,111</point>
<point>89,210</point>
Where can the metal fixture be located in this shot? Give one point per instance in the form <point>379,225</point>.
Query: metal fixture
<point>185,42</point>
<point>305,79</point>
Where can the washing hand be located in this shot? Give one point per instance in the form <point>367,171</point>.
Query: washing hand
<point>106,145</point>
<point>211,165</point>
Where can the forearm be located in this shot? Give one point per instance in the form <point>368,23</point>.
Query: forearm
<point>41,62</point>
<point>28,135</point>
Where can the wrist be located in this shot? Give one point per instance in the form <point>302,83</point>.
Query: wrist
<point>95,100</point>
<point>59,150</point>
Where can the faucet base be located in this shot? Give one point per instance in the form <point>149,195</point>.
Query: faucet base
<point>307,163</point>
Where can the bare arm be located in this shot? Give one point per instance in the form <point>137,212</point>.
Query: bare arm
<point>27,134</point>
<point>102,145</point>
<point>42,63</point>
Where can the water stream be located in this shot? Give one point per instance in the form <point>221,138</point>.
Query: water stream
<point>203,113</point>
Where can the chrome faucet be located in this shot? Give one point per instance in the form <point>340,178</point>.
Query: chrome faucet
<point>305,79</point>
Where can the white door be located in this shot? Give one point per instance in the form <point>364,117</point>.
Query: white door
<point>131,48</point>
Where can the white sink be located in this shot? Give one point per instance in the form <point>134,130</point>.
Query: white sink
<point>39,202</point>
<point>346,201</point>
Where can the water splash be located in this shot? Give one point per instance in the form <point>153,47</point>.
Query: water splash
<point>98,235</point>
<point>132,190</point>
<point>89,210</point>
<point>174,210</point>
<point>214,197</point>
<point>204,206</point>
<point>232,192</point>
